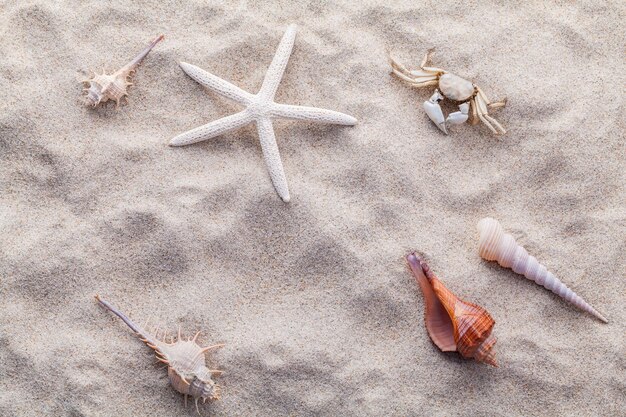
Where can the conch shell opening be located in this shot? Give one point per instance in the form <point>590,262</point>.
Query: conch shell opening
<point>454,324</point>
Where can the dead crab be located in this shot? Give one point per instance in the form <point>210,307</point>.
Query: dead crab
<point>450,86</point>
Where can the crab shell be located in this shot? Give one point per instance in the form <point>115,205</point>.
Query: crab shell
<point>454,324</point>
<point>456,88</point>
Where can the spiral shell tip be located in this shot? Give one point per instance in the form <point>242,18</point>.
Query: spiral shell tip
<point>601,317</point>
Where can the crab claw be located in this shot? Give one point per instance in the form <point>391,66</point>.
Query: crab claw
<point>434,111</point>
<point>460,116</point>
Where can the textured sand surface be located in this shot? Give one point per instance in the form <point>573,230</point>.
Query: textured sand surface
<point>313,299</point>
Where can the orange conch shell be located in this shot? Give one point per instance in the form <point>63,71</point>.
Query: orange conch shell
<point>454,324</point>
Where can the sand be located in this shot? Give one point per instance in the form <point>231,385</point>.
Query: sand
<point>313,299</point>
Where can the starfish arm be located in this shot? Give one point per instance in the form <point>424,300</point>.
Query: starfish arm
<point>312,114</point>
<point>277,67</point>
<point>210,130</point>
<point>216,84</point>
<point>272,157</point>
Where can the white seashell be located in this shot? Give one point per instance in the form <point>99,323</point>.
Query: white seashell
<point>104,87</point>
<point>495,245</point>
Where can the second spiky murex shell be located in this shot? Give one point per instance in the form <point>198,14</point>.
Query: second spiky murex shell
<point>103,87</point>
<point>452,323</point>
<point>185,360</point>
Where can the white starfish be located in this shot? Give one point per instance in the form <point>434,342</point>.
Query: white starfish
<point>260,108</point>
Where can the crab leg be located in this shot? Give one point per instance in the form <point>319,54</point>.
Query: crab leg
<point>426,71</point>
<point>475,118</point>
<point>486,122</point>
<point>396,65</point>
<point>416,78</point>
<point>418,81</point>
<point>425,61</point>
<point>492,120</point>
<point>486,119</point>
<point>426,58</point>
<point>495,105</point>
<point>482,117</point>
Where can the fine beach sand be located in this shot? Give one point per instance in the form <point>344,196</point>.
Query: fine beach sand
<point>313,299</point>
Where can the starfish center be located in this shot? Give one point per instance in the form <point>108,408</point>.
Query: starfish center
<point>259,107</point>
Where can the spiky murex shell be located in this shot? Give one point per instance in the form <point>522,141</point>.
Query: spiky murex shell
<point>187,371</point>
<point>104,87</point>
